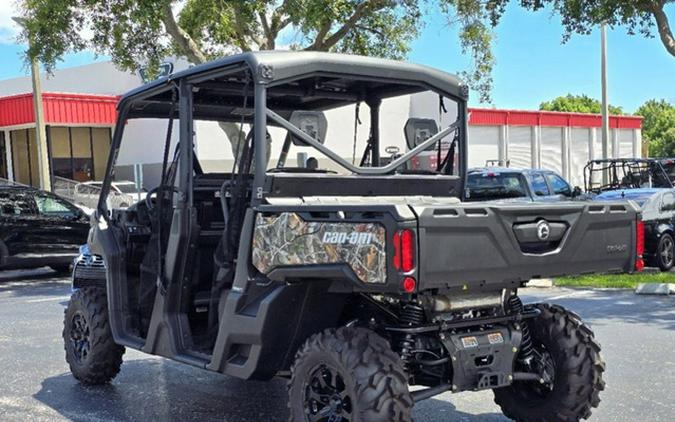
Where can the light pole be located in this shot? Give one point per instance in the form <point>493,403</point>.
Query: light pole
<point>40,131</point>
<point>605,105</point>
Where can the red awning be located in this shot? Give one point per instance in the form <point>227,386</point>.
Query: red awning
<point>60,108</point>
<point>494,117</point>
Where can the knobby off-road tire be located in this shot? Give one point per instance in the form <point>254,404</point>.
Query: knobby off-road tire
<point>348,374</point>
<point>578,368</point>
<point>664,252</point>
<point>91,352</point>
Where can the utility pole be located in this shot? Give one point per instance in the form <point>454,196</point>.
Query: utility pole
<point>605,105</point>
<point>40,131</point>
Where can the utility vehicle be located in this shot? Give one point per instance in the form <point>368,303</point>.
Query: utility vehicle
<point>624,174</point>
<point>353,279</point>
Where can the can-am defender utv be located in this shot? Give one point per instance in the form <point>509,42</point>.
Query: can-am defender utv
<point>357,283</point>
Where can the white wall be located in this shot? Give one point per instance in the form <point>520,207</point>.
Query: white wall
<point>214,149</point>
<point>101,78</point>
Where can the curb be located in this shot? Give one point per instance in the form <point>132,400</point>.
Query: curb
<point>655,289</point>
<point>540,282</point>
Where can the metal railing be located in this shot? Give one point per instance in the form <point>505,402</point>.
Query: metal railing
<point>87,195</point>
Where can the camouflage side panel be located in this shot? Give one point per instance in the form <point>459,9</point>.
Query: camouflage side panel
<point>286,239</point>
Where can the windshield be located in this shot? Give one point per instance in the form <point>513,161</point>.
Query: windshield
<point>344,138</point>
<point>492,185</point>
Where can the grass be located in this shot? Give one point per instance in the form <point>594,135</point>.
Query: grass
<point>628,281</point>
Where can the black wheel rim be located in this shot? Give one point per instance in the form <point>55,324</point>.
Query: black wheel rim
<point>79,337</point>
<point>545,366</point>
<point>326,397</point>
<point>666,251</point>
<point>543,363</point>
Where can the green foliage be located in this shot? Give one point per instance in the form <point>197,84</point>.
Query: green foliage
<point>130,32</point>
<point>137,32</point>
<point>658,127</point>
<point>577,104</point>
<point>637,16</point>
<point>623,281</point>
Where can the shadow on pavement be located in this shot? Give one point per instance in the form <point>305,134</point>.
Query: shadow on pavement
<point>436,410</point>
<point>157,389</point>
<point>37,282</point>
<point>601,306</point>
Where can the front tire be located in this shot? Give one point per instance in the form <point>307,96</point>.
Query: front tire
<point>348,374</point>
<point>91,352</point>
<point>569,350</point>
<point>665,254</point>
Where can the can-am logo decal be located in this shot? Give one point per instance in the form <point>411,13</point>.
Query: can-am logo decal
<point>342,238</point>
<point>543,230</point>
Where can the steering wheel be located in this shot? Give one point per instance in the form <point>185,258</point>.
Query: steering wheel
<point>149,203</point>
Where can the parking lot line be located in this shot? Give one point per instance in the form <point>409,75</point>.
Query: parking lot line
<point>48,299</point>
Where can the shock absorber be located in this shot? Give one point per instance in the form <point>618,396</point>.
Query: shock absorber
<point>516,307</point>
<point>411,314</point>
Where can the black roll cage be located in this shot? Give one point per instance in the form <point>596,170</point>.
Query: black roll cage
<point>649,166</point>
<point>262,115</point>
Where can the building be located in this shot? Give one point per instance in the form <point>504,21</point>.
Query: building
<point>80,114</point>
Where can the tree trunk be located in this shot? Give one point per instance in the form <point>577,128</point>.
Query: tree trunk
<point>664,28</point>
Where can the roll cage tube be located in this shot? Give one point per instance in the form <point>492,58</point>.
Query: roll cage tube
<point>260,141</point>
<point>346,164</point>
<point>102,207</point>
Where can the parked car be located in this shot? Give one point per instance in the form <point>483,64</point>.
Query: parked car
<point>506,183</point>
<point>122,194</point>
<point>658,215</point>
<point>38,228</point>
<point>639,195</point>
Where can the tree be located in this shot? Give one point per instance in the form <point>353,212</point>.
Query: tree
<point>636,15</point>
<point>658,127</point>
<point>135,32</point>
<point>577,104</point>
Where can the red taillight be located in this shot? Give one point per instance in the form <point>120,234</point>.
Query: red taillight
<point>407,250</point>
<point>397,250</point>
<point>409,284</point>
<point>639,245</point>
<point>404,250</point>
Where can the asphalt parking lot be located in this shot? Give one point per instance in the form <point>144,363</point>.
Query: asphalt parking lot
<point>637,334</point>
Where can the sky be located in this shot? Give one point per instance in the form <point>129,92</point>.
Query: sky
<point>532,63</point>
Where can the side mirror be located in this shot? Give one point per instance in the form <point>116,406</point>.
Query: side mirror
<point>576,192</point>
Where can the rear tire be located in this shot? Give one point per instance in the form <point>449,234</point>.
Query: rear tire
<point>577,372</point>
<point>91,352</point>
<point>664,252</point>
<point>350,373</point>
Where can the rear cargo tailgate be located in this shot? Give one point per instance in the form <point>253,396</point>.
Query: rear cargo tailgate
<point>496,243</point>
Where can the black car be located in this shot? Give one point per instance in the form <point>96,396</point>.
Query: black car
<point>658,215</point>
<point>38,228</point>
